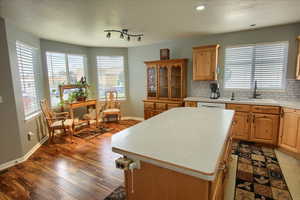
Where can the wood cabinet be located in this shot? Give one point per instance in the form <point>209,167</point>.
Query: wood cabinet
<point>166,85</point>
<point>241,125</point>
<point>264,128</point>
<point>289,138</point>
<point>255,123</point>
<point>205,61</point>
<point>298,61</point>
<point>190,103</point>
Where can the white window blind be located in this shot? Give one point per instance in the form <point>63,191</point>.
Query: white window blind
<point>63,69</point>
<point>76,67</point>
<point>27,60</point>
<point>57,74</point>
<point>264,63</point>
<point>110,71</point>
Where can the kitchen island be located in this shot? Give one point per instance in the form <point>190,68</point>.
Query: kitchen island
<point>180,154</point>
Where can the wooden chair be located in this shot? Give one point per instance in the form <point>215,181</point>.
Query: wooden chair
<point>56,120</point>
<point>94,115</point>
<point>111,106</point>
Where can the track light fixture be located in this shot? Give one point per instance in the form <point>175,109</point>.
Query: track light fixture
<point>123,33</point>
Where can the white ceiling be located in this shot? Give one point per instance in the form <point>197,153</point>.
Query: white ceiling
<point>83,21</point>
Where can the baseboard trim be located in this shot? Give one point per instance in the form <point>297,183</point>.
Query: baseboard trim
<point>134,118</point>
<point>25,157</point>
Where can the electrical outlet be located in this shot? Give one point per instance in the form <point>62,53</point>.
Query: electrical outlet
<point>29,135</point>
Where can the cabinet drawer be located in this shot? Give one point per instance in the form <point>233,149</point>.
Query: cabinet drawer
<point>266,109</point>
<point>239,107</point>
<point>190,104</point>
<point>160,106</point>
<point>149,105</point>
<point>173,105</point>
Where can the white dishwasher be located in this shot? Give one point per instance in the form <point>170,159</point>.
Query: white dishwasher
<point>211,105</point>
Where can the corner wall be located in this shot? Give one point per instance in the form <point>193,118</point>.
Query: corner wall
<point>10,142</point>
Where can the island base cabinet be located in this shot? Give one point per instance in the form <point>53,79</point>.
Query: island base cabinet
<point>152,182</point>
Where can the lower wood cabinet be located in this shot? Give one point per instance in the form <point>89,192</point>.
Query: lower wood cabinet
<point>264,128</point>
<point>289,137</point>
<point>190,103</point>
<point>252,124</point>
<point>241,126</point>
<point>155,107</point>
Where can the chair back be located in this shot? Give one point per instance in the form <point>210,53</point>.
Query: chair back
<point>47,112</point>
<point>111,99</point>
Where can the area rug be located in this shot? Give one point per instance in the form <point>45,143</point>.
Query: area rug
<point>258,176</point>
<point>117,194</point>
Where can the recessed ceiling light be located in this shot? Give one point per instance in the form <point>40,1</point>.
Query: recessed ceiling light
<point>200,7</point>
<point>252,25</point>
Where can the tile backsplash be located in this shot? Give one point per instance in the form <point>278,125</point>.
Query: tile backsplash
<point>292,91</point>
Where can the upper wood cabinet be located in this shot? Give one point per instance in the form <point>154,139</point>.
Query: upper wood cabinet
<point>205,61</point>
<point>298,61</point>
<point>166,79</point>
<point>289,137</point>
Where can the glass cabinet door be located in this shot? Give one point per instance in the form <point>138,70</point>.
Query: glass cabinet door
<point>163,82</point>
<point>176,81</point>
<point>152,81</point>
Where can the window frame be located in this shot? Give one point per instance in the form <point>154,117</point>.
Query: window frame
<point>85,71</point>
<point>124,71</point>
<point>36,72</point>
<point>284,74</point>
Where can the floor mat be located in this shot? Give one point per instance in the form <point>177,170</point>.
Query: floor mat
<point>258,176</point>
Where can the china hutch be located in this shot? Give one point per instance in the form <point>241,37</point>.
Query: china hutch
<point>166,85</point>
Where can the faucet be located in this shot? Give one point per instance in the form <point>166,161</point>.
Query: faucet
<point>255,94</point>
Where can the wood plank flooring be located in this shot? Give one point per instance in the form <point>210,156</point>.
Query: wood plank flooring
<point>83,170</point>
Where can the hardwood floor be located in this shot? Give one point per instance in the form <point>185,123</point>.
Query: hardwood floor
<point>83,170</point>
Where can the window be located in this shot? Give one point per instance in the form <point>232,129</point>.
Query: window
<point>27,59</point>
<point>110,71</point>
<point>264,63</point>
<point>63,69</point>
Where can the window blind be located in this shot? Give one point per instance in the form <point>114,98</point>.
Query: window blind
<point>264,63</point>
<point>27,56</point>
<point>76,67</point>
<point>110,71</point>
<point>57,74</point>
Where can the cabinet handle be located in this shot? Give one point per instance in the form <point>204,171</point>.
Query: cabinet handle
<point>248,118</point>
<point>281,114</point>
<point>253,120</point>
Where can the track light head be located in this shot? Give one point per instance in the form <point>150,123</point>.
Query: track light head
<point>122,36</point>
<point>128,38</point>
<point>108,35</point>
<point>139,38</point>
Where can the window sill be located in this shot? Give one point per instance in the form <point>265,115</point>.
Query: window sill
<point>33,116</point>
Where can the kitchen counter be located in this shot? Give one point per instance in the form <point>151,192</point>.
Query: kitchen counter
<point>186,140</point>
<point>269,102</point>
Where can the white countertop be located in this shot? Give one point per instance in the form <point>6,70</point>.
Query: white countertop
<point>188,140</point>
<point>270,102</point>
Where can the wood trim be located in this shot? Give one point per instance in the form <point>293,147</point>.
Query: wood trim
<point>207,46</point>
<point>181,60</point>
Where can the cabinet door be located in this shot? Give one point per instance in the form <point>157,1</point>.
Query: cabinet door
<point>163,82</point>
<point>176,82</point>
<point>298,61</point>
<point>241,126</point>
<point>205,63</point>
<point>290,132</point>
<point>264,128</point>
<point>152,81</point>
